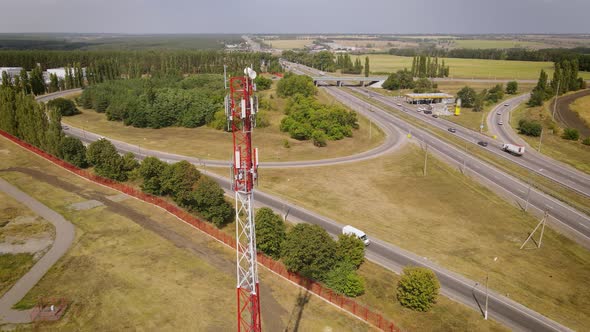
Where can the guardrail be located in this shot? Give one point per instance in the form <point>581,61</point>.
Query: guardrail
<point>351,306</point>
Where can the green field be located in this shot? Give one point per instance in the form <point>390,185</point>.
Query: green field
<point>575,154</point>
<point>489,43</point>
<point>451,220</point>
<point>582,107</point>
<point>470,68</point>
<point>134,266</point>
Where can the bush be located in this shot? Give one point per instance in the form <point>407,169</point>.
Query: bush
<point>151,170</point>
<point>64,106</point>
<point>106,160</point>
<point>586,141</point>
<point>512,87</point>
<point>318,138</point>
<point>310,251</point>
<point>350,249</point>
<point>570,134</point>
<point>291,85</point>
<point>529,128</point>
<point>73,151</point>
<point>209,200</point>
<point>418,288</point>
<point>262,83</point>
<point>270,232</point>
<point>343,279</point>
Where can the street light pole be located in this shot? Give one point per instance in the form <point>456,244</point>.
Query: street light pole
<point>487,291</point>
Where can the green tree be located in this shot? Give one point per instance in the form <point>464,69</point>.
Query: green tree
<point>537,98</point>
<point>209,201</point>
<point>270,232</point>
<point>367,66</point>
<point>107,162</point>
<point>402,79</point>
<point>37,81</point>
<point>350,249</point>
<point>309,250</point>
<point>529,128</point>
<point>178,180</point>
<point>262,83</point>
<point>129,163</point>
<point>418,288</point>
<point>54,135</point>
<point>291,85</point>
<point>151,170</point>
<point>468,96</point>
<point>53,83</point>
<point>73,151</point>
<point>512,87</point>
<point>24,81</point>
<point>65,107</point>
<point>343,279</point>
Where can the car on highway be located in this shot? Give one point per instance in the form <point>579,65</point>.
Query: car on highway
<point>506,105</point>
<point>483,143</point>
<point>399,104</point>
<point>427,112</point>
<point>452,130</point>
<point>499,113</point>
<point>435,115</point>
<point>419,110</point>
<point>500,122</point>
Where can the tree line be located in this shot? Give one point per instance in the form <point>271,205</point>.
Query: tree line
<point>565,78</point>
<point>326,61</point>
<point>158,102</point>
<point>517,54</point>
<point>136,63</point>
<point>470,98</point>
<point>426,66</point>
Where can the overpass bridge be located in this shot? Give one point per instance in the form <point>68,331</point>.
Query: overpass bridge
<point>339,81</point>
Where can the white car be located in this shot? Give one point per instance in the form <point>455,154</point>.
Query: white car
<point>499,113</point>
<point>500,123</point>
<point>506,105</point>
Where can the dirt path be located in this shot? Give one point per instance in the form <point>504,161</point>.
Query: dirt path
<point>64,236</point>
<point>272,308</point>
<point>569,118</point>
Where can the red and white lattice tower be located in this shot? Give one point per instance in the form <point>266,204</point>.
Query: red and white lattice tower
<point>241,109</point>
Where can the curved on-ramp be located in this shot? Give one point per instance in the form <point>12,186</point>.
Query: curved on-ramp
<point>64,236</point>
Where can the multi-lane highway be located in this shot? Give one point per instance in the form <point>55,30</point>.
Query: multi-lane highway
<point>454,286</point>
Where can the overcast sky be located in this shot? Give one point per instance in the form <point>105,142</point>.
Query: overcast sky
<point>296,16</point>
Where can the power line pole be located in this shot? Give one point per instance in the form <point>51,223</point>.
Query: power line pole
<point>542,222</point>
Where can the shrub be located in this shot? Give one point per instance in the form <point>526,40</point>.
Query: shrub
<point>291,85</point>
<point>64,106</point>
<point>418,288</point>
<point>586,141</point>
<point>570,134</point>
<point>208,199</point>
<point>512,87</point>
<point>343,279</point>
<point>106,160</point>
<point>529,128</point>
<point>350,249</point>
<point>262,83</point>
<point>73,151</point>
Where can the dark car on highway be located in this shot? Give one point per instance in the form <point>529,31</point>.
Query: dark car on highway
<point>483,143</point>
<point>435,115</point>
<point>452,130</point>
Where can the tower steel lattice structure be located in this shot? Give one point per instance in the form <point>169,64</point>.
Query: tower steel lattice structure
<point>241,107</point>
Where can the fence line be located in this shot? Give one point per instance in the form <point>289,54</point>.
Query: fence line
<point>345,303</point>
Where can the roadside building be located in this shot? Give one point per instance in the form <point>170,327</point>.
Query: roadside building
<point>11,71</point>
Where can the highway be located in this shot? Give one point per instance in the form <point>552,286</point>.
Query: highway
<point>456,287</point>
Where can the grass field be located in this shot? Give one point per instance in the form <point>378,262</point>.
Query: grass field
<point>575,154</point>
<point>488,43</point>
<point>12,267</point>
<point>288,44</point>
<point>208,143</point>
<point>452,221</point>
<point>470,68</point>
<point>582,107</point>
<point>133,266</point>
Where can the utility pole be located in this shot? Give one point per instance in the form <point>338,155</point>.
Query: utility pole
<point>528,194</point>
<point>370,129</point>
<point>542,222</point>
<point>487,293</point>
<point>555,101</point>
<point>540,139</point>
<point>425,158</point>
<point>481,125</point>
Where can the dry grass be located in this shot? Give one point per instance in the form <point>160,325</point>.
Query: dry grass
<point>488,43</point>
<point>288,44</point>
<point>582,107</point>
<point>208,143</point>
<point>573,153</point>
<point>451,220</point>
<point>126,272</point>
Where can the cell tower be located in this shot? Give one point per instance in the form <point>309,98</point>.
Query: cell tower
<point>241,107</point>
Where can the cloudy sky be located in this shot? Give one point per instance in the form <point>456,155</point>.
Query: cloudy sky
<point>296,16</point>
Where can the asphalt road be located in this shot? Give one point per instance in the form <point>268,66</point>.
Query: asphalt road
<point>454,286</point>
<point>560,173</point>
<point>64,237</point>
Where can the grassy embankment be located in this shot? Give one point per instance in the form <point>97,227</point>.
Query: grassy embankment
<point>451,220</point>
<point>470,68</point>
<point>573,153</point>
<point>582,107</point>
<point>17,224</point>
<point>208,143</point>
<point>546,185</point>
<point>133,266</point>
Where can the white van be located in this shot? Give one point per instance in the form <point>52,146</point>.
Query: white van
<point>349,230</point>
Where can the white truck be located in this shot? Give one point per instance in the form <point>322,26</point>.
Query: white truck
<point>517,150</point>
<point>349,230</point>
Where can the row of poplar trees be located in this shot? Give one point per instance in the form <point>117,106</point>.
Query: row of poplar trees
<point>426,66</point>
